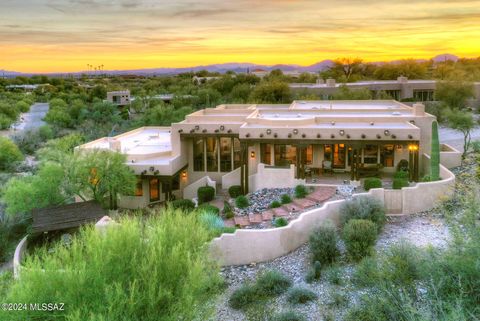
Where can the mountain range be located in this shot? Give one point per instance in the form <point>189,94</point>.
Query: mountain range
<point>221,68</point>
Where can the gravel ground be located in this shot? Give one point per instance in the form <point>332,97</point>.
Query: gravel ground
<point>424,229</point>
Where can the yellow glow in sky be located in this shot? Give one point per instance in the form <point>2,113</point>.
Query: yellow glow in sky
<point>66,35</point>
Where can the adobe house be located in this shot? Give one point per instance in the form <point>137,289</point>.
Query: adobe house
<point>259,146</point>
<point>119,98</point>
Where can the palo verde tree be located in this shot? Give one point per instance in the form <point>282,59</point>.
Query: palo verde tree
<point>435,154</point>
<point>464,123</point>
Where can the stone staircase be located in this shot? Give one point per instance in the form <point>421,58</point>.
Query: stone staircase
<point>320,195</point>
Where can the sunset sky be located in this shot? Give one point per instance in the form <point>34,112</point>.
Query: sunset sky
<point>66,35</point>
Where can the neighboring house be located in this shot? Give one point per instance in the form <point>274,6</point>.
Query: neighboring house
<point>119,98</point>
<point>259,146</point>
<point>400,89</point>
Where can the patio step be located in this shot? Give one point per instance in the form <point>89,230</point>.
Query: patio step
<point>280,211</point>
<point>255,218</point>
<point>241,220</point>
<point>292,207</point>
<point>304,203</point>
<point>267,215</point>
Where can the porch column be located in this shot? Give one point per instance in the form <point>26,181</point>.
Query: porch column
<point>244,167</point>
<point>413,162</point>
<point>353,167</point>
<point>357,163</point>
<point>300,164</point>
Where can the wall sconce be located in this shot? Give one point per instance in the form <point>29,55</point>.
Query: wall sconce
<point>303,135</point>
<point>295,131</point>
<point>379,136</point>
<point>364,136</point>
<point>332,136</point>
<point>410,137</point>
<point>275,135</point>
<point>386,132</point>
<point>252,154</point>
<point>152,169</point>
<point>180,130</point>
<point>197,127</point>
<point>204,131</point>
<point>289,135</point>
<point>412,148</point>
<point>269,131</point>
<point>318,135</point>
<point>222,128</point>
<point>342,132</point>
<point>184,174</point>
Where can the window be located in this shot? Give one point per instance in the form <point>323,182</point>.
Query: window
<point>309,156</point>
<point>198,153</point>
<point>327,152</point>
<point>423,95</point>
<point>370,154</point>
<point>139,187</point>
<point>266,154</point>
<point>212,154</point>
<point>225,154</point>
<point>387,155</point>
<point>237,156</point>
<point>285,155</point>
<point>339,155</point>
<point>154,189</point>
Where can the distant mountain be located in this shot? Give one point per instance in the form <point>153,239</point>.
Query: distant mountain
<point>6,73</point>
<point>445,57</point>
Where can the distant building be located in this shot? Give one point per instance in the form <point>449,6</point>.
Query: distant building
<point>400,89</point>
<point>202,80</point>
<point>27,88</point>
<point>119,98</point>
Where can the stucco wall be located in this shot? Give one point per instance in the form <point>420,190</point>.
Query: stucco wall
<point>190,191</point>
<point>18,257</point>
<point>232,178</point>
<point>273,177</point>
<point>449,156</point>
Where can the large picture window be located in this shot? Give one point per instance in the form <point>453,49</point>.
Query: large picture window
<point>387,155</point>
<point>285,155</point>
<point>237,153</point>
<point>370,154</point>
<point>212,154</point>
<point>266,154</point>
<point>139,187</point>
<point>154,189</point>
<point>225,154</point>
<point>198,155</point>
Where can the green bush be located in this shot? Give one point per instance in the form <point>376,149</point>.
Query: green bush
<point>363,207</point>
<point>367,272</point>
<point>208,208</point>
<point>275,204</point>
<point>476,146</point>
<point>300,295</point>
<point>12,230</point>
<point>117,275</point>
<point>401,175</point>
<point>9,153</point>
<point>242,202</point>
<point>402,264</point>
<point>205,194</point>
<point>185,205</point>
<point>334,275</point>
<point>235,190</point>
<point>271,283</point>
<point>338,298</point>
<point>359,237</point>
<point>289,316</point>
<point>242,297</point>
<point>314,272</point>
<point>323,243</point>
<point>426,178</point>
<point>372,182</point>
<point>286,199</point>
<point>212,222</point>
<point>402,165</point>
<point>300,191</point>
<point>280,222</point>
<point>227,210</point>
<point>399,183</point>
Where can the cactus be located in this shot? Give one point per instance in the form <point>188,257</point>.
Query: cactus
<point>435,154</point>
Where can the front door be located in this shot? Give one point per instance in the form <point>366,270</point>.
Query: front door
<point>339,156</point>
<point>154,189</point>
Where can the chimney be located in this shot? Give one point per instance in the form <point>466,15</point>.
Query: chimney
<point>402,79</point>
<point>330,82</point>
<point>419,109</point>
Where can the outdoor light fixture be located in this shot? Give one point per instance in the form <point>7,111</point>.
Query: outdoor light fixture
<point>412,147</point>
<point>295,131</point>
<point>152,169</point>
<point>386,132</point>
<point>410,137</point>
<point>364,136</point>
<point>342,132</point>
<point>204,131</point>
<point>222,128</point>
<point>180,130</point>
<point>197,127</point>
<point>289,135</point>
<point>252,154</point>
<point>269,131</point>
<point>184,174</point>
<point>379,136</point>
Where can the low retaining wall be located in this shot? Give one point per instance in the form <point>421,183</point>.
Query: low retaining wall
<point>190,191</point>
<point>18,257</point>
<point>247,246</point>
<point>232,178</point>
<point>449,156</point>
<point>273,177</point>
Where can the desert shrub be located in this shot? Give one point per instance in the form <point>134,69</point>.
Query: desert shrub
<point>334,275</point>
<point>401,175</point>
<point>9,153</point>
<point>402,165</point>
<point>366,208</point>
<point>229,229</point>
<point>272,283</point>
<point>323,243</point>
<point>11,231</point>
<point>289,316</point>
<point>242,297</point>
<point>338,298</point>
<point>300,191</point>
<point>205,194</point>
<point>241,202</point>
<point>476,146</point>
<point>399,183</point>
<point>300,295</point>
<point>208,208</point>
<point>426,178</point>
<point>280,221</point>
<point>185,205</point>
<point>367,272</point>
<point>117,275</point>
<point>372,182</point>
<point>359,237</point>
<point>402,264</point>
<point>314,272</point>
<point>234,191</point>
<point>275,204</point>
<point>212,222</point>
<point>227,210</point>
<point>286,199</point>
